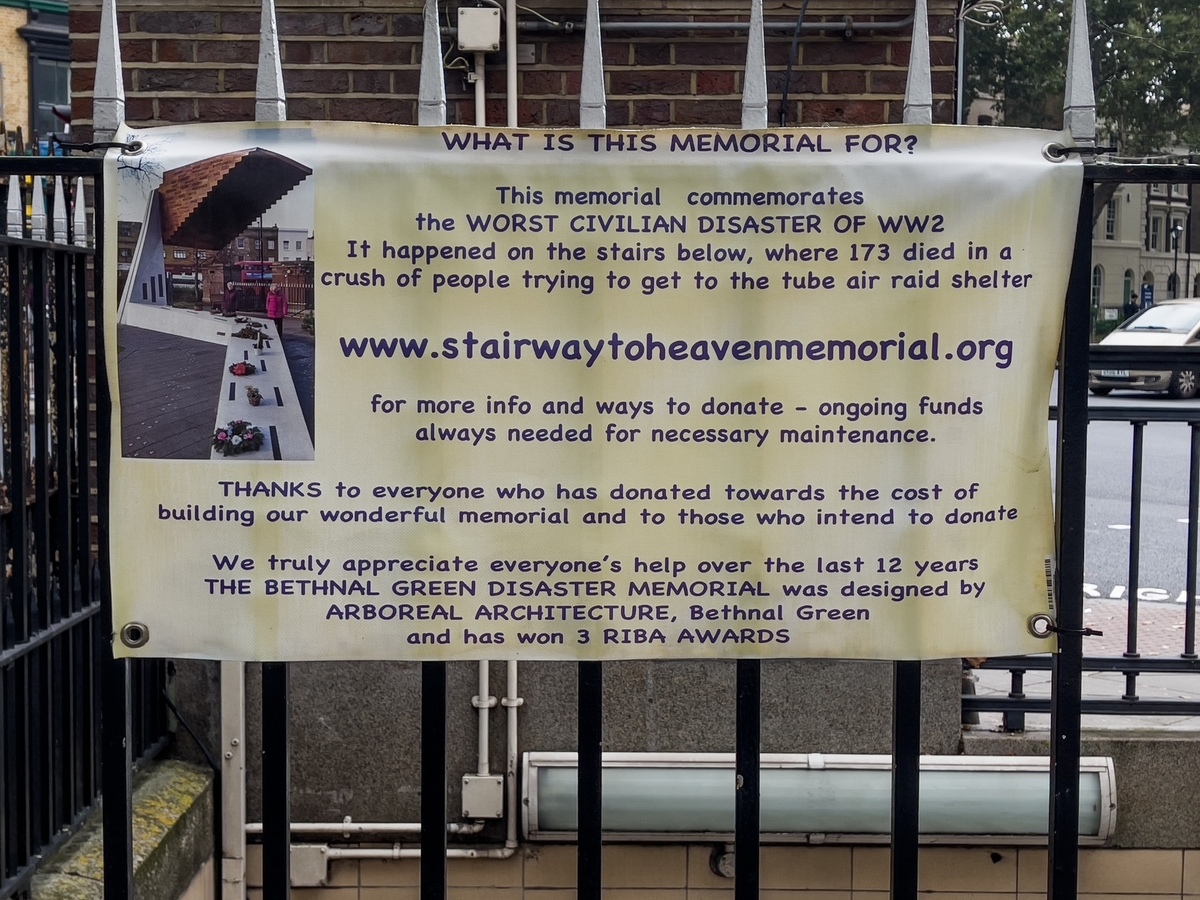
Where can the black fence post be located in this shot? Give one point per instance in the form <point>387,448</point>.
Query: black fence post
<point>590,772</point>
<point>116,777</point>
<point>433,781</point>
<point>1071,506</point>
<point>277,781</point>
<point>748,779</point>
<point>906,777</point>
<point>116,718</point>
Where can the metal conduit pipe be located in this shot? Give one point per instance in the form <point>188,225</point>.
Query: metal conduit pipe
<point>349,829</point>
<point>847,25</point>
<point>510,61</point>
<point>398,852</point>
<point>481,119</point>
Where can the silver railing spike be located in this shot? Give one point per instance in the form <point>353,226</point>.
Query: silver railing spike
<point>270,100</point>
<point>108,94</point>
<point>431,95</point>
<point>60,211</point>
<point>81,235</point>
<point>918,91</point>
<point>593,103</point>
<point>37,220</point>
<point>754,82</point>
<point>15,220</point>
<point>1079,101</point>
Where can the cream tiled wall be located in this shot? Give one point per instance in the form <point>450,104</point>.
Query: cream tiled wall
<point>681,872</point>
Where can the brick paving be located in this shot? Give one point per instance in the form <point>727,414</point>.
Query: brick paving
<point>1159,627</point>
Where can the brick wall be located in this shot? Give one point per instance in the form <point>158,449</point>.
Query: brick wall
<point>14,78</point>
<point>361,61</point>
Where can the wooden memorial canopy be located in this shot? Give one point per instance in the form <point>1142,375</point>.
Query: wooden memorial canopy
<point>209,203</point>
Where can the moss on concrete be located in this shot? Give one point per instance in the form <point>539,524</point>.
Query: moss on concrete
<point>172,837</point>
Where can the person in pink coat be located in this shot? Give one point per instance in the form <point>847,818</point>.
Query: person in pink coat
<point>277,307</point>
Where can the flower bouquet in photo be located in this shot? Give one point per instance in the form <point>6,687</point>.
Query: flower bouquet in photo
<point>242,368</point>
<point>249,331</point>
<point>237,437</point>
<point>253,395</point>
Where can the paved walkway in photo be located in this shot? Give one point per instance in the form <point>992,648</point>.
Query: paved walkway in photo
<point>169,392</point>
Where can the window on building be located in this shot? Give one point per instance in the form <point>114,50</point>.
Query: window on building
<point>1127,294</point>
<point>298,245</point>
<point>1156,232</point>
<point>257,244</point>
<point>1097,285</point>
<point>201,254</point>
<point>180,254</point>
<point>241,244</point>
<point>1179,190</point>
<point>270,245</point>
<point>287,245</point>
<point>1110,221</point>
<point>49,69</point>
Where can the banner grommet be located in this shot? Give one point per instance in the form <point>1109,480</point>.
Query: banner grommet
<point>134,635</point>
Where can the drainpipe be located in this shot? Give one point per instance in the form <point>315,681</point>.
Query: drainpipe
<point>480,119</point>
<point>510,59</point>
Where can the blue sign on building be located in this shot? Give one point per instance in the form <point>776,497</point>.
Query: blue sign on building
<point>1147,295</point>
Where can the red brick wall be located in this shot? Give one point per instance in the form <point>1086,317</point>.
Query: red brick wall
<point>196,62</point>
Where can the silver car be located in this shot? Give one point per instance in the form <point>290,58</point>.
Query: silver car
<point>1170,324</point>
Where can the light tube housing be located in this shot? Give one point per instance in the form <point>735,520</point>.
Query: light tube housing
<point>815,798</point>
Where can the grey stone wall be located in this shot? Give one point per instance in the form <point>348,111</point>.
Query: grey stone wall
<point>356,726</point>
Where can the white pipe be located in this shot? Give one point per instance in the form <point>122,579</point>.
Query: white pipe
<point>480,119</point>
<point>510,59</point>
<point>512,702</point>
<point>233,768</point>
<point>484,702</point>
<point>347,828</point>
<point>398,852</point>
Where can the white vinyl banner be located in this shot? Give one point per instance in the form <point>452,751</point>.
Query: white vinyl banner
<point>383,392</point>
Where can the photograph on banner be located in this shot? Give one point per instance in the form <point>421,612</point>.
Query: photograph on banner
<point>585,395</point>
<point>206,265</point>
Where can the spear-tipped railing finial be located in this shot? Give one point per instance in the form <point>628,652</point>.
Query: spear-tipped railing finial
<point>108,94</point>
<point>754,82</point>
<point>593,104</point>
<point>1079,101</point>
<point>270,99</point>
<point>918,91</point>
<point>431,96</point>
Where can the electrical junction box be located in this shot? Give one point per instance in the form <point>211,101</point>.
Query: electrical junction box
<point>310,866</point>
<point>483,796</point>
<point>479,28</point>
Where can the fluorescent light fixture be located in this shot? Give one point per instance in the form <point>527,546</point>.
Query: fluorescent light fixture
<point>815,798</point>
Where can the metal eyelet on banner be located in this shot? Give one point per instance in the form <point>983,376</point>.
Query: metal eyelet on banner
<point>1054,152</point>
<point>134,635</point>
<point>1041,625</point>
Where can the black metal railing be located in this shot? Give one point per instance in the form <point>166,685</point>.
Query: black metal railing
<point>52,641</point>
<point>1018,704</point>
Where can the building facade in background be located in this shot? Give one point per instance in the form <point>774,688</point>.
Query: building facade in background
<point>34,69</point>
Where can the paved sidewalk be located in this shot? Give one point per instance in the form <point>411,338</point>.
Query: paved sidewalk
<point>1160,634</point>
